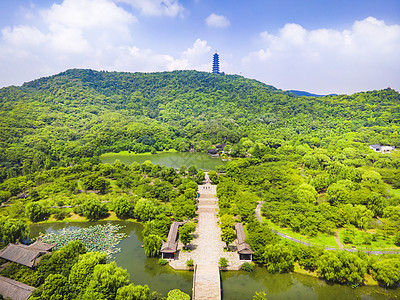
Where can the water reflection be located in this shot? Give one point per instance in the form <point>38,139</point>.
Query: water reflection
<point>239,285</point>
<point>169,159</point>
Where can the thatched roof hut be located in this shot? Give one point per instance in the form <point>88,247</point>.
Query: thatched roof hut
<point>14,290</point>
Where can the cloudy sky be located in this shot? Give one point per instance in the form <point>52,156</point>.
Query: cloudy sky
<point>320,46</point>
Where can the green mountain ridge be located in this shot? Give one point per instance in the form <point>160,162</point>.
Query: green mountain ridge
<point>79,114</point>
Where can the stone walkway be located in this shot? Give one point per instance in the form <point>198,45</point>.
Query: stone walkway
<point>207,248</point>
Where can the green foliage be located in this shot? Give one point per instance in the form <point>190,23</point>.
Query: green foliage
<point>213,177</point>
<point>387,271</point>
<point>228,235</point>
<point>259,236</point>
<point>190,262</point>
<point>35,211</point>
<point>177,295</point>
<point>105,281</point>
<point>185,233</point>
<point>223,262</point>
<point>133,292</point>
<point>260,296</point>
<point>162,262</point>
<point>342,267</point>
<point>93,209</point>
<point>152,245</point>
<point>247,267</point>
<point>200,176</point>
<point>123,208</point>
<point>12,230</point>
<point>278,258</point>
<point>146,209</point>
<point>55,287</point>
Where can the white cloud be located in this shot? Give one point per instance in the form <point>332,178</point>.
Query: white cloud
<point>75,33</point>
<point>132,58</point>
<point>363,57</point>
<point>170,8</point>
<point>23,36</point>
<point>217,21</point>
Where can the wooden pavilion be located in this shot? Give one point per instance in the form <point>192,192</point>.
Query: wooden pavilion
<point>27,255</point>
<point>168,248</point>
<point>14,290</point>
<point>243,248</point>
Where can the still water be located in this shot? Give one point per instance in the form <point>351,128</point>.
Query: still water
<point>168,159</point>
<point>235,285</point>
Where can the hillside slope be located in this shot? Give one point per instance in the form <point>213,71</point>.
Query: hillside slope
<point>78,114</point>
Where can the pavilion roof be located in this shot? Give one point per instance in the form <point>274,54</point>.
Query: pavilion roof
<point>14,290</point>
<point>23,254</point>
<point>242,246</point>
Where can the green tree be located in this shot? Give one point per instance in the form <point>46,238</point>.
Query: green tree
<point>93,209</point>
<point>387,271</point>
<point>123,208</point>
<point>278,258</point>
<point>55,287</point>
<point>152,245</point>
<point>192,170</point>
<point>82,270</point>
<point>105,281</point>
<point>35,211</point>
<point>228,235</point>
<point>341,267</point>
<point>133,292</point>
<point>227,221</point>
<point>146,209</point>
<point>200,176</point>
<point>213,177</point>
<point>177,295</point>
<point>185,233</point>
<point>101,184</point>
<point>13,230</point>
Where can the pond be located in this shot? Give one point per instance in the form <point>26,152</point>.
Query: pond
<point>142,270</point>
<point>235,285</point>
<point>168,159</point>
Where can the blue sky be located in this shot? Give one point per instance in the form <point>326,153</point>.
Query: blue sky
<point>313,45</point>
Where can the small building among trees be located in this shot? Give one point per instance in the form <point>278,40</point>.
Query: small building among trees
<point>243,248</point>
<point>382,149</point>
<point>27,255</point>
<point>14,290</point>
<point>169,248</point>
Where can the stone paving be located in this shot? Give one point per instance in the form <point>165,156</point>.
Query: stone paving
<point>207,248</point>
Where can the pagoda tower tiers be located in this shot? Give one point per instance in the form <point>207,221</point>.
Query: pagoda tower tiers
<point>215,68</point>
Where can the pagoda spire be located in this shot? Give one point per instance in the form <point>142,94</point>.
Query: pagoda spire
<point>215,68</point>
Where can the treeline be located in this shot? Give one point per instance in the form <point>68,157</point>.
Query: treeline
<point>77,115</point>
<point>313,192</point>
<point>144,192</point>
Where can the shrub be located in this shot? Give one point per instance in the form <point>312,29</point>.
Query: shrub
<point>223,262</point>
<point>190,262</point>
<point>162,262</point>
<point>247,267</point>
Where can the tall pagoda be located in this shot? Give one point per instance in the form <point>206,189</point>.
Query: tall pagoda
<point>215,68</point>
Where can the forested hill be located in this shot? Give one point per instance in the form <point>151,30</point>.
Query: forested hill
<point>80,114</point>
